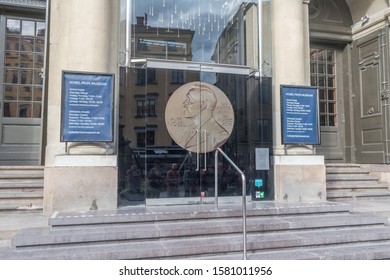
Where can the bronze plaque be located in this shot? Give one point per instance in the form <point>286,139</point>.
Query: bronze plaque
<point>199,117</point>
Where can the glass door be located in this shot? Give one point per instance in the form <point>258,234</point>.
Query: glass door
<point>184,112</point>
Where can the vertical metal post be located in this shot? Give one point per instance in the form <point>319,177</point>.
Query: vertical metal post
<point>216,181</point>
<point>128,37</point>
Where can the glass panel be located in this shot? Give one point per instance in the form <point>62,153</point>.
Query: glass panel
<point>39,45</point>
<point>37,110</point>
<point>38,78</point>
<point>28,28</point>
<point>23,61</point>
<point>10,109</point>
<point>27,44</point>
<point>10,92</point>
<point>38,94</point>
<point>26,77</point>
<point>11,77</point>
<point>40,31</point>
<point>11,59</point>
<point>26,60</point>
<point>25,110</point>
<point>38,61</point>
<point>323,121</point>
<point>13,26</point>
<point>202,30</point>
<point>12,43</point>
<point>326,83</point>
<point>25,93</point>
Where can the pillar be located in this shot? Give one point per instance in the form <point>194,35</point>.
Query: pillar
<point>299,175</point>
<point>83,38</point>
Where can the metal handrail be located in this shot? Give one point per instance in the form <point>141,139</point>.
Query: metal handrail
<point>219,150</point>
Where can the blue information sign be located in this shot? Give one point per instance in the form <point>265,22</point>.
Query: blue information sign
<point>87,107</point>
<point>300,123</point>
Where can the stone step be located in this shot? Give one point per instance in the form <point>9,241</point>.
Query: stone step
<point>83,234</point>
<point>371,251</point>
<point>20,168</point>
<point>21,175</point>
<point>21,188</point>
<point>385,194</point>
<point>21,183</point>
<point>356,185</point>
<point>351,177</point>
<point>204,246</point>
<point>346,170</point>
<point>21,206</point>
<point>21,195</point>
<point>342,165</point>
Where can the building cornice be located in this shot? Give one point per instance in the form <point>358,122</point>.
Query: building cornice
<point>319,35</point>
<point>38,4</point>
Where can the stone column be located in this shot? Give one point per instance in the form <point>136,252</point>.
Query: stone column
<point>83,37</point>
<point>299,175</point>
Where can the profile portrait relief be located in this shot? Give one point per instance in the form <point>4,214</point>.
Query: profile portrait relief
<point>199,117</point>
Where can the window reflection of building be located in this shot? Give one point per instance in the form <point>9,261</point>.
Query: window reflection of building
<point>251,97</point>
<point>23,62</point>
<point>323,76</point>
<point>148,89</point>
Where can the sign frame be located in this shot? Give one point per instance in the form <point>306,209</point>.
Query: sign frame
<point>300,121</point>
<point>91,101</point>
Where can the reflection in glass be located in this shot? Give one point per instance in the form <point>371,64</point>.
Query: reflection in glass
<point>28,28</point>
<point>41,28</point>
<point>23,61</point>
<point>38,61</point>
<point>11,77</point>
<point>39,45</point>
<point>38,78</point>
<point>10,92</point>
<point>10,109</point>
<point>11,59</point>
<point>12,43</point>
<point>13,26</point>
<point>25,110</point>
<point>37,93</point>
<point>25,93</point>
<point>26,60</point>
<point>27,44</point>
<point>37,109</point>
<point>203,30</point>
<point>211,31</point>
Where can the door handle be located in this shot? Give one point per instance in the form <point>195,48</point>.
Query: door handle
<point>205,149</point>
<point>197,149</point>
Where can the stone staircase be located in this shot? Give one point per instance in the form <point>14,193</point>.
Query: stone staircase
<point>328,230</point>
<point>21,189</point>
<point>352,182</point>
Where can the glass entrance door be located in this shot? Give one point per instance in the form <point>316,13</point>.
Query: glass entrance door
<point>183,112</point>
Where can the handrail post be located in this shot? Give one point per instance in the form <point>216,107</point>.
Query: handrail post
<point>216,181</point>
<point>243,195</point>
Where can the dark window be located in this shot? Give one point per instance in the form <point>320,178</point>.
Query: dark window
<point>150,76</point>
<point>146,108</point>
<point>145,138</point>
<point>177,77</point>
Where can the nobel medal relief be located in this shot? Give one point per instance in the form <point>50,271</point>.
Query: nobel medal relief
<point>199,117</point>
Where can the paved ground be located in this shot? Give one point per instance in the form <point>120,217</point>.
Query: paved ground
<point>11,223</point>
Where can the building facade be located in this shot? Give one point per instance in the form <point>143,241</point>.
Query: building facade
<point>247,49</point>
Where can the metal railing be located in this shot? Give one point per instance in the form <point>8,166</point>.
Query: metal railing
<point>219,150</point>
